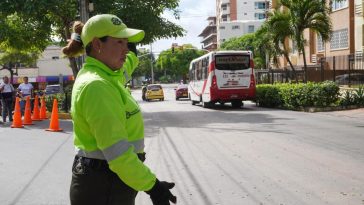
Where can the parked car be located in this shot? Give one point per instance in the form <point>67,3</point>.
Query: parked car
<point>53,89</point>
<point>154,91</point>
<point>181,91</point>
<point>355,79</point>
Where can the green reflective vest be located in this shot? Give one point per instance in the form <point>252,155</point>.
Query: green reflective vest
<point>108,123</point>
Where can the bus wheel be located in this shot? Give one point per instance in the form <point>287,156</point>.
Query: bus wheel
<point>193,102</point>
<point>206,104</point>
<point>236,103</point>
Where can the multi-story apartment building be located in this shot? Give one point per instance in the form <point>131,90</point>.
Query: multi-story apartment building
<point>347,26</point>
<point>238,17</point>
<point>209,35</point>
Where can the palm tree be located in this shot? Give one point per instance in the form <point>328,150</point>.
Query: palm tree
<point>279,27</point>
<point>264,45</point>
<point>308,14</point>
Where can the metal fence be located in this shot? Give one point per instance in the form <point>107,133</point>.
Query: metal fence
<point>347,70</point>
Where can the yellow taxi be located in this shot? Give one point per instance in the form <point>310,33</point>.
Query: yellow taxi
<point>154,91</point>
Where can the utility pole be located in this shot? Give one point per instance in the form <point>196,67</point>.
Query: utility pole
<point>84,12</point>
<point>84,15</point>
<point>151,63</point>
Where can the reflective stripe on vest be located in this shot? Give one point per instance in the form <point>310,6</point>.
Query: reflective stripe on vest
<point>113,151</point>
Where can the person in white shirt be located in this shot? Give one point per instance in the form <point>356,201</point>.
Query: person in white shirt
<point>7,94</point>
<point>25,89</point>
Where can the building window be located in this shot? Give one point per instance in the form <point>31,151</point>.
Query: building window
<point>259,5</point>
<point>336,5</point>
<point>339,39</point>
<point>222,27</point>
<point>225,17</point>
<point>224,7</point>
<point>251,29</point>
<point>259,15</point>
<point>320,43</point>
<point>235,27</point>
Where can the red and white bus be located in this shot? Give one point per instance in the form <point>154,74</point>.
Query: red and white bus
<point>222,76</point>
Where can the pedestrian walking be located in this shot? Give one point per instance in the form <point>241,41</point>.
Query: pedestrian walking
<point>7,96</point>
<point>108,131</point>
<point>25,89</point>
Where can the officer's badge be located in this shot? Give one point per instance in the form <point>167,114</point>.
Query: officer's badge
<point>116,21</point>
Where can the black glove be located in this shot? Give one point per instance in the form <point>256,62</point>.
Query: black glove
<point>132,47</point>
<point>160,193</point>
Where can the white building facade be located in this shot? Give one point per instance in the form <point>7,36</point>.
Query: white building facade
<point>51,68</point>
<point>236,18</point>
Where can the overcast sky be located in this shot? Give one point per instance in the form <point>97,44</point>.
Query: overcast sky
<point>193,19</point>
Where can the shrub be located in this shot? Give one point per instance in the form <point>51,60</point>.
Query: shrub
<point>359,96</point>
<point>347,98</point>
<point>268,96</point>
<point>293,96</point>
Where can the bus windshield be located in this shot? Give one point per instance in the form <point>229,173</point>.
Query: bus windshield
<point>232,62</point>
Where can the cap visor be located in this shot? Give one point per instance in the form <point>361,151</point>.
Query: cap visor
<point>133,35</point>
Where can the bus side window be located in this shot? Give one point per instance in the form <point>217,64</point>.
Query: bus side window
<point>199,70</point>
<point>194,71</point>
<point>205,68</point>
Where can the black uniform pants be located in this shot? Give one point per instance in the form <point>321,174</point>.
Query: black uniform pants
<point>93,183</point>
<point>7,108</point>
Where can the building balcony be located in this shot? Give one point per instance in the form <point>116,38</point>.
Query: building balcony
<point>210,46</point>
<point>212,35</point>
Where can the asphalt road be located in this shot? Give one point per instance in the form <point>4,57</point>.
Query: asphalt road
<point>215,156</point>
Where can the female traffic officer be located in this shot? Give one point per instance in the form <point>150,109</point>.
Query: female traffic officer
<point>108,124</point>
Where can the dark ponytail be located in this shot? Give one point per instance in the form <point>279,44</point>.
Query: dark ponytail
<point>74,47</point>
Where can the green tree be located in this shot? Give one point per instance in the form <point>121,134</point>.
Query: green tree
<point>21,42</point>
<point>145,65</point>
<point>247,42</point>
<point>176,64</point>
<point>244,42</point>
<point>56,17</point>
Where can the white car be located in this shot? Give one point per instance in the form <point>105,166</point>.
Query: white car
<point>53,89</point>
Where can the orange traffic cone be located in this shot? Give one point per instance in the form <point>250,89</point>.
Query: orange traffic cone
<point>35,116</point>
<point>17,123</point>
<point>54,124</point>
<point>27,113</point>
<point>43,109</point>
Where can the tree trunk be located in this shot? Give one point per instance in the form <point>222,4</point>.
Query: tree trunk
<point>304,63</point>
<point>290,63</point>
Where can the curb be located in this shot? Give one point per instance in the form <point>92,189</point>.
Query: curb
<point>328,109</point>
